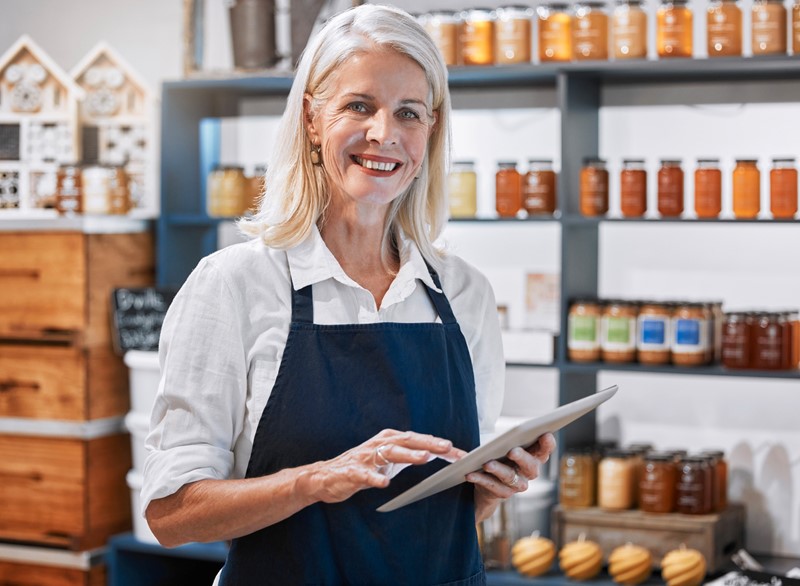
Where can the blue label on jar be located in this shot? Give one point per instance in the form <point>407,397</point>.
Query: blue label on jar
<point>687,332</point>
<point>652,331</point>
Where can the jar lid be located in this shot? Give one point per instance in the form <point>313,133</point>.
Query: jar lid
<point>479,11</point>
<point>640,448</point>
<point>558,6</point>
<point>719,454</point>
<point>633,161</point>
<point>506,164</point>
<point>659,457</point>
<point>464,162</point>
<point>618,453</point>
<point>547,161</point>
<point>593,161</point>
<point>708,160</point>
<point>783,160</point>
<point>591,4</point>
<point>745,160</point>
<point>694,459</point>
<point>670,161</point>
<point>515,7</point>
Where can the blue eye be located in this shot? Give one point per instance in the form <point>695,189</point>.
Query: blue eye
<point>409,115</point>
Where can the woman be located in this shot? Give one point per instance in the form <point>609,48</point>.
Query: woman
<point>299,367</point>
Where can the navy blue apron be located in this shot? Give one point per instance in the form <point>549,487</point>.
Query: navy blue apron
<point>338,386</point>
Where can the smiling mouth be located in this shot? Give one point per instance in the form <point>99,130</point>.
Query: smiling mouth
<point>375,165</point>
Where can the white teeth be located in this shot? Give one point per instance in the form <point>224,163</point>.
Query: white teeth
<point>375,165</point>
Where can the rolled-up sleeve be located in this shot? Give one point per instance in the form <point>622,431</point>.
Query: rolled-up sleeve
<point>199,409</point>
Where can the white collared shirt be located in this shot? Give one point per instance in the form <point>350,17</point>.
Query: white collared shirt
<point>223,338</point>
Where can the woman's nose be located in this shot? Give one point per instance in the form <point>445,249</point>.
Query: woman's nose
<point>382,128</point>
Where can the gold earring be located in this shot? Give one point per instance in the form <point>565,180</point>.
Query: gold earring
<point>316,159</point>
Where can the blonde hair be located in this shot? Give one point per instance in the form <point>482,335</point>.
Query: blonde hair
<point>296,196</point>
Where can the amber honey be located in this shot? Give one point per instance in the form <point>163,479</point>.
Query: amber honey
<point>590,31</point>
<point>555,32</point>
<point>477,37</point>
<point>724,28</point>
<point>796,27</point>
<point>707,188</point>
<point>594,188</point>
<point>746,189</point>
<point>768,27</point>
<point>442,26</point>
<point>513,35</point>
<point>539,187</point>
<point>674,33</point>
<point>633,188</point>
<point>508,189</point>
<point>783,188</point>
<point>670,188</point>
<point>629,30</point>
<point>657,481</point>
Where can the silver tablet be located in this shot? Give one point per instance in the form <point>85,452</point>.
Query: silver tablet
<point>525,434</point>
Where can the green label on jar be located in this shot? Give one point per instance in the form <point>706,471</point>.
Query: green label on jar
<point>619,331</point>
<point>583,328</point>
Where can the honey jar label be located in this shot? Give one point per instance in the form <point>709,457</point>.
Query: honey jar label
<point>617,333</point>
<point>691,335</point>
<point>583,333</point>
<point>653,333</point>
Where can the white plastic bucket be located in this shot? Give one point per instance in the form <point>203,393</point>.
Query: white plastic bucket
<point>138,424</point>
<point>141,530</point>
<point>144,374</point>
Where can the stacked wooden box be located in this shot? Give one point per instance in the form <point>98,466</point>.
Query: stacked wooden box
<point>63,391</point>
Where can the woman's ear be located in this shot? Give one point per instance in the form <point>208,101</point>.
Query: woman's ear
<point>308,119</point>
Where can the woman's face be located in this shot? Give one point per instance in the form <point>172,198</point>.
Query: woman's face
<point>374,129</point>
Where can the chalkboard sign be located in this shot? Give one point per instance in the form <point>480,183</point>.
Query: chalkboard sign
<point>137,315</point>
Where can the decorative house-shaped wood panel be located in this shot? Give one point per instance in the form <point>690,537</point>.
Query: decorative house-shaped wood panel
<point>117,120</point>
<point>38,126</point>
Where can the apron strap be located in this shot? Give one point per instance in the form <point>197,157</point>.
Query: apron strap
<point>302,305</point>
<point>303,302</point>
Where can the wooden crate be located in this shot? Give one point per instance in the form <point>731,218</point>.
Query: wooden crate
<point>65,492</point>
<point>716,536</point>
<point>61,382</point>
<point>56,286</point>
<point>36,566</point>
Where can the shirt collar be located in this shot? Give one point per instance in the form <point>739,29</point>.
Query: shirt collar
<point>311,261</point>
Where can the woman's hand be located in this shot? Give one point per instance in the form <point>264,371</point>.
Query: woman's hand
<point>365,466</point>
<point>500,480</point>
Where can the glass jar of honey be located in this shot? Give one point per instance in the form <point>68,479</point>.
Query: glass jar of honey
<point>462,190</point>
<point>539,188</point>
<point>555,32</point>
<point>508,189</point>
<point>768,27</point>
<point>719,468</point>
<point>767,342</point>
<point>724,28</point>
<point>594,187</point>
<point>786,320</point>
<point>615,481</point>
<point>674,32</point>
<point>583,330</point>
<point>736,335</point>
<point>589,31</point>
<point>693,489</point>
<point>670,188</point>
<point>657,481</point>
<point>476,39</point>
<point>69,189</point>
<point>629,30</point>
<point>513,34</point>
<point>746,189</point>
<point>633,188</point>
<point>783,188</point>
<point>653,333</point>
<point>796,27</point>
<point>577,478</point>
<point>618,331</point>
<point>689,344</point>
<point>707,188</point>
<point>227,191</point>
<point>442,26</point>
